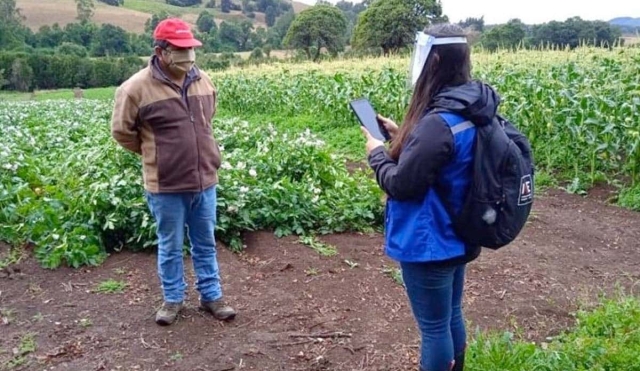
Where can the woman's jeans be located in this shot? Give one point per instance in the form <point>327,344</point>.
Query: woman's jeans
<point>435,294</point>
<point>196,210</point>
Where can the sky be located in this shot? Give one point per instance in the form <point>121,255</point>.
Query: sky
<point>534,11</point>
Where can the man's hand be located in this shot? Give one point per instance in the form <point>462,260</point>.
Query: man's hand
<point>388,124</point>
<point>372,143</point>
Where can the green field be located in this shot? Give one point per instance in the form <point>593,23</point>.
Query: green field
<point>579,109</point>
<point>289,144</point>
<point>606,338</point>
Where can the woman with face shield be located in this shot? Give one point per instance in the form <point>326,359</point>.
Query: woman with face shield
<point>433,151</point>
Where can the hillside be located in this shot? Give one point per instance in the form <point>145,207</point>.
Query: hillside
<point>626,22</point>
<point>131,16</point>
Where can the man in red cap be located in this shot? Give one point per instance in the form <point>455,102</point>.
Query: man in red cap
<point>164,113</point>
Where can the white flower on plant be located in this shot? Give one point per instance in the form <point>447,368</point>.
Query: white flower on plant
<point>221,148</point>
<point>55,236</point>
<point>263,149</point>
<point>315,199</point>
<point>227,166</point>
<point>244,189</point>
<point>241,166</point>
<point>232,209</point>
<point>12,167</point>
<point>253,173</point>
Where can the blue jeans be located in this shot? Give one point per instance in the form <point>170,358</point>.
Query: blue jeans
<point>435,295</point>
<point>196,210</point>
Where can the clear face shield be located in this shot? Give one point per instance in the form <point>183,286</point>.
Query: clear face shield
<point>421,50</point>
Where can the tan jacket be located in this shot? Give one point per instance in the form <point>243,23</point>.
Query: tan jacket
<point>169,128</point>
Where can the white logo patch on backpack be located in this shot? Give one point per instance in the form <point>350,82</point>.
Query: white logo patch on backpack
<point>526,191</point>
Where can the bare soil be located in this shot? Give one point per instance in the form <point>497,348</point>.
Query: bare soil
<point>298,310</point>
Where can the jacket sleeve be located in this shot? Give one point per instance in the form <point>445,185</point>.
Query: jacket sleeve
<point>123,121</point>
<point>427,149</point>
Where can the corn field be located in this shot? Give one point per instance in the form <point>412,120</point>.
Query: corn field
<point>580,109</point>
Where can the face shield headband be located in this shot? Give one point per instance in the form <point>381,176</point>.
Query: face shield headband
<point>421,51</point>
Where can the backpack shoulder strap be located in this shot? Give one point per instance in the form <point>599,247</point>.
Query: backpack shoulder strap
<point>457,124</point>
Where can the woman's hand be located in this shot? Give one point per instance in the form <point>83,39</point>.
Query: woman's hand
<point>372,143</point>
<point>388,124</point>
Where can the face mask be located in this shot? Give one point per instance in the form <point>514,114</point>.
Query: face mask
<point>181,61</point>
<point>421,51</point>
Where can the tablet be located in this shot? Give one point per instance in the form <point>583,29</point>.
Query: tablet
<point>368,118</point>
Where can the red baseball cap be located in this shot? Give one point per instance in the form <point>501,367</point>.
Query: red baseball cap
<point>176,32</point>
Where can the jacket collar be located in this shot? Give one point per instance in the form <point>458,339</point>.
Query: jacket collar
<point>158,73</point>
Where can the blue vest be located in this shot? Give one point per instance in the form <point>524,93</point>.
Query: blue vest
<point>421,231</point>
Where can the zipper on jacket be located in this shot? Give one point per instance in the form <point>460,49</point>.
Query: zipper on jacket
<point>184,97</point>
<point>195,132</point>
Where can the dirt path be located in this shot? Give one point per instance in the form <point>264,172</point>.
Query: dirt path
<point>573,249</point>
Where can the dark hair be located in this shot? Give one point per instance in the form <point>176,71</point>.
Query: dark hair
<point>446,65</point>
<point>163,44</point>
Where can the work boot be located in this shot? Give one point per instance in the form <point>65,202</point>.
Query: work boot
<point>219,309</point>
<point>168,313</point>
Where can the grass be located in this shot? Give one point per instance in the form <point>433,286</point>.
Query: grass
<point>394,273</point>
<point>111,286</point>
<point>630,198</point>
<point>7,316</point>
<point>606,338</point>
<point>14,256</point>
<point>26,346</point>
<point>318,246</point>
<point>66,94</point>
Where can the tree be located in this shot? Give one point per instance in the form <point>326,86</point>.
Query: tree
<point>258,38</point>
<point>21,77</point>
<point>575,31</point>
<point>270,15</point>
<point>151,23</point>
<point>317,27</point>
<point>184,3</point>
<point>392,24</point>
<point>234,35</point>
<point>50,36</point>
<point>3,82</point>
<point>112,2</point>
<point>10,13</point>
<point>81,34</point>
<point>477,24</point>
<point>85,10</point>
<point>12,32</point>
<point>205,22</point>
<point>507,36</point>
<point>111,40</point>
<point>67,48</point>
<point>277,33</point>
<point>225,6</point>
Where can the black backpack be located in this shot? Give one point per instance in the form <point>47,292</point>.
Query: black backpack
<point>501,192</point>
